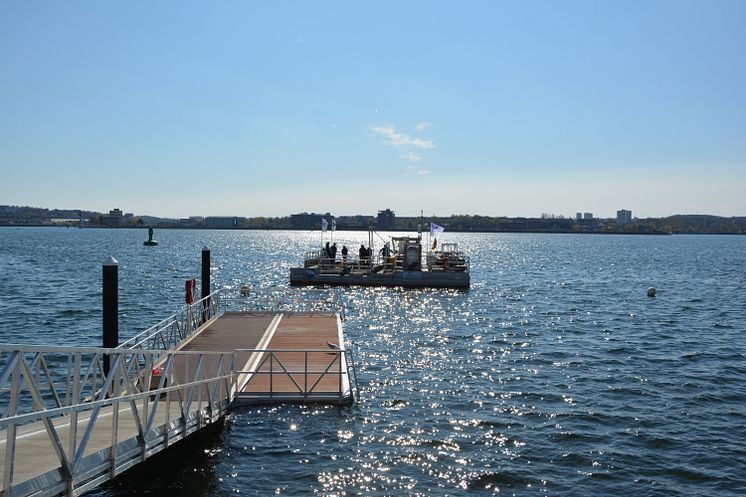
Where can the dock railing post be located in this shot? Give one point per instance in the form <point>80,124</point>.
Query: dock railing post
<point>110,308</point>
<point>205,283</point>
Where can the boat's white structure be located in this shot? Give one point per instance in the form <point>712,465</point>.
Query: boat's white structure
<point>404,265</point>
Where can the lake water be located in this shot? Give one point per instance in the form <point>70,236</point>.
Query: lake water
<point>554,374</point>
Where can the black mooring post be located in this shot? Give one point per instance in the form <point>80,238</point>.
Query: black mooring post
<point>110,307</point>
<point>205,283</point>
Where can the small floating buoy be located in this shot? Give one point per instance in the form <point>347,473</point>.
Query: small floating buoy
<point>651,292</point>
<point>150,242</point>
<point>245,290</point>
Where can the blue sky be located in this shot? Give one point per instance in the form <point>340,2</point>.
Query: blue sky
<point>477,107</point>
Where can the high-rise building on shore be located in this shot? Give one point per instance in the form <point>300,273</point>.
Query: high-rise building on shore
<point>623,217</point>
<point>386,219</point>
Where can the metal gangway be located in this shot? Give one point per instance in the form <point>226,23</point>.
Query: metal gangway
<point>72,418</point>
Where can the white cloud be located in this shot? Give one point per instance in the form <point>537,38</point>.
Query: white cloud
<point>415,171</point>
<point>398,139</point>
<point>412,157</point>
<point>422,126</point>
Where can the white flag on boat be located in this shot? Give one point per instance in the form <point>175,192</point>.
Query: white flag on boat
<point>334,224</point>
<point>324,224</point>
<point>435,229</point>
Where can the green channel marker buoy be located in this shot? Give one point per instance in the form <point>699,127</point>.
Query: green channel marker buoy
<point>150,242</point>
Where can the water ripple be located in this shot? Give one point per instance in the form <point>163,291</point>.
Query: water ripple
<point>554,374</point>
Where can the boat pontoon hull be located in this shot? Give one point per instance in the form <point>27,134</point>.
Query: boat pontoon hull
<point>407,279</point>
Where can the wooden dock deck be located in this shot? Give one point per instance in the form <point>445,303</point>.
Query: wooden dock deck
<point>235,357</point>
<point>302,363</point>
<point>280,357</point>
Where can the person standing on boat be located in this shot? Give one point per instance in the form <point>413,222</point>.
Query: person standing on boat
<point>344,254</point>
<point>327,251</point>
<point>386,250</point>
<point>363,252</point>
<point>333,252</point>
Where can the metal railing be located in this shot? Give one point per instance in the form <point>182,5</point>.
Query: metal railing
<point>171,331</point>
<point>298,374</point>
<point>286,300</point>
<point>433,261</point>
<point>326,264</point>
<point>352,374</point>
<point>94,423</point>
<point>449,262</point>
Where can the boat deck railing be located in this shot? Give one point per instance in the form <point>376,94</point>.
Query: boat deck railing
<point>317,259</point>
<point>447,261</point>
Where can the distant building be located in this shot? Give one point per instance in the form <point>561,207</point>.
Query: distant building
<point>386,219</point>
<point>191,221</point>
<point>355,222</point>
<point>587,216</point>
<point>306,221</point>
<point>9,210</point>
<point>623,217</point>
<point>114,218</point>
<point>224,222</point>
<point>578,216</point>
<point>186,222</point>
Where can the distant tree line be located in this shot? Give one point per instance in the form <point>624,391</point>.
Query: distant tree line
<point>678,224</point>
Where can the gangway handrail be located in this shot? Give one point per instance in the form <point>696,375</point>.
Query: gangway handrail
<point>161,405</point>
<point>169,332</point>
<point>91,404</point>
<point>59,394</point>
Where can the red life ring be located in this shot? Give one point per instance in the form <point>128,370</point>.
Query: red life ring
<point>190,290</point>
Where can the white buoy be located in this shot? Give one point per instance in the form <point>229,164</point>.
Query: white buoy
<point>651,292</point>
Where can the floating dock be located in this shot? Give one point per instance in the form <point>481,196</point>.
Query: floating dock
<point>71,425</point>
<point>282,357</point>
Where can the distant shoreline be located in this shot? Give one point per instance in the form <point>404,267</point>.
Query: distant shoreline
<point>398,230</point>
<point>385,221</point>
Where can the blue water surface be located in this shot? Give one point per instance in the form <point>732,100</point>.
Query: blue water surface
<point>554,374</point>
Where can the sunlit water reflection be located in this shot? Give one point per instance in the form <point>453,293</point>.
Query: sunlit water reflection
<point>554,374</point>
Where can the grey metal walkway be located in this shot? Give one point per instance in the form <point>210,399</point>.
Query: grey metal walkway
<point>66,425</point>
